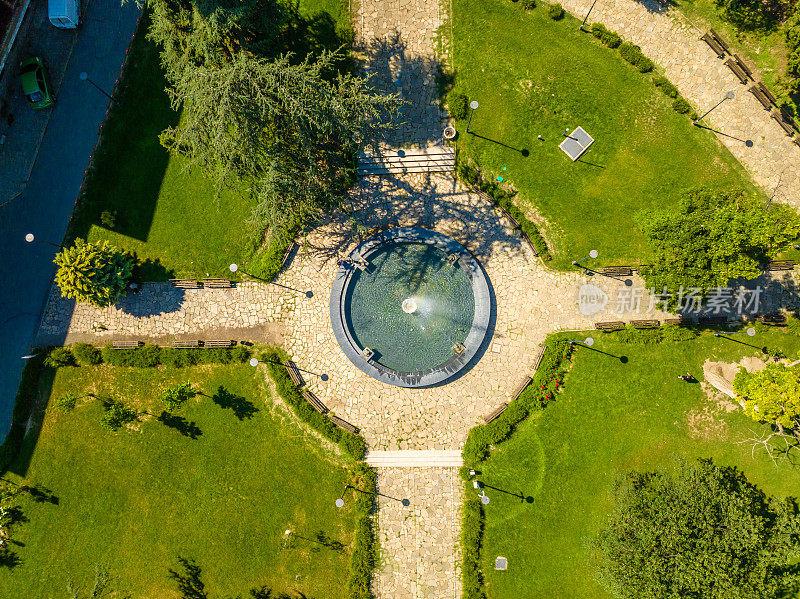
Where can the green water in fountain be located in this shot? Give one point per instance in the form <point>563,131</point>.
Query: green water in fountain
<point>444,302</point>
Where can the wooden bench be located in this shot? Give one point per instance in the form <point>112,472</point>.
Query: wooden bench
<point>713,44</point>
<point>712,320</point>
<point>796,140</point>
<point>314,401</point>
<point>496,413</point>
<point>780,265</point>
<point>615,325</point>
<point>294,373</point>
<point>521,387</point>
<point>185,283</point>
<point>343,424</point>
<point>718,38</point>
<point>765,90</point>
<point>737,70</point>
<point>645,324</point>
<point>775,319</point>
<point>217,283</point>
<point>784,125</point>
<point>787,117</point>
<point>538,359</point>
<point>220,343</point>
<point>127,344</point>
<point>743,66</point>
<point>507,214</point>
<point>680,321</point>
<point>619,271</point>
<point>178,344</point>
<point>761,97</point>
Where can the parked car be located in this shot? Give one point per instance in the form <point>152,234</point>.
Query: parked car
<point>36,82</point>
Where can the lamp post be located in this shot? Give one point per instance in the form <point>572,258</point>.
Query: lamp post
<point>235,268</point>
<point>340,501</point>
<point>729,96</point>
<point>592,254</point>
<point>587,16</point>
<point>473,106</point>
<point>481,493</point>
<point>588,342</point>
<point>30,238</point>
<point>85,77</point>
<point>750,332</point>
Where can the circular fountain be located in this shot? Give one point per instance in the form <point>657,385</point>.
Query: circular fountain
<point>411,307</point>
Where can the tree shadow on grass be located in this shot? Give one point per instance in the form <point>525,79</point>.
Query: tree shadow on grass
<point>242,408</point>
<point>180,424</point>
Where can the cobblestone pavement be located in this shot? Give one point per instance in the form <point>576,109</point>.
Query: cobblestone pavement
<point>674,45</point>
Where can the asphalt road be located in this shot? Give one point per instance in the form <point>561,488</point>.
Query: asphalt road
<point>45,205</point>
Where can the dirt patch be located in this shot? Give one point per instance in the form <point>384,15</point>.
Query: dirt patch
<point>706,423</point>
<point>718,384</point>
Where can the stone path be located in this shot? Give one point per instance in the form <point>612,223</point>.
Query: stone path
<point>674,45</point>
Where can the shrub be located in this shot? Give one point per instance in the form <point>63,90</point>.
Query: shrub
<point>681,106</point>
<point>472,520</point>
<point>663,83</point>
<point>457,105</point>
<point>633,335</point>
<point>555,11</point>
<point>528,4</point>
<point>176,396</point>
<point>362,559</point>
<point>633,54</point>
<point>609,38</point>
<point>240,354</point>
<point>108,218</point>
<point>65,403</point>
<point>673,332</point>
<point>59,356</point>
<point>146,356</point>
<point>116,415</point>
<point>87,354</point>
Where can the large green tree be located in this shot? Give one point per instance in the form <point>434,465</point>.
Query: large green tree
<point>713,237</point>
<point>700,531</point>
<point>96,273</point>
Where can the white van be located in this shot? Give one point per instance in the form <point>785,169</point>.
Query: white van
<point>64,14</point>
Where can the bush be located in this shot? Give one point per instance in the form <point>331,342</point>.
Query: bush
<point>633,335</point>
<point>472,521</point>
<point>362,558</point>
<point>65,403</point>
<point>87,354</point>
<point>528,4</point>
<point>176,396</point>
<point>633,54</point>
<point>116,415</point>
<point>673,332</point>
<point>681,106</point>
<point>555,11</point>
<point>608,37</point>
<point>457,105</point>
<point>663,83</point>
<point>240,354</point>
<point>59,356</point>
<point>108,218</point>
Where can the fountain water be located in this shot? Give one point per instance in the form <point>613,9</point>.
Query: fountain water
<point>409,305</point>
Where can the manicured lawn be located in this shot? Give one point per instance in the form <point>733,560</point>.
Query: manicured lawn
<point>610,419</point>
<point>134,501</point>
<point>535,76</point>
<point>169,215</point>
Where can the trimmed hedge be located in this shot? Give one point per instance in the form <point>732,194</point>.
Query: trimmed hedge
<point>148,356</point>
<point>457,105</point>
<point>555,11</point>
<point>633,54</point>
<point>352,445</point>
<point>665,86</point>
<point>87,354</point>
<point>681,106</point>
<point>362,560</point>
<point>503,198</point>
<point>59,356</point>
<point>472,522</point>
<point>608,37</point>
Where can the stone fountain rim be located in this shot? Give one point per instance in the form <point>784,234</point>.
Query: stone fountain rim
<point>480,323</point>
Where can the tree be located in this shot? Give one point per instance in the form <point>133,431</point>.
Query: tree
<point>714,237</point>
<point>116,414</point>
<point>702,531</point>
<point>96,273</point>
<point>175,397</point>
<point>772,395</point>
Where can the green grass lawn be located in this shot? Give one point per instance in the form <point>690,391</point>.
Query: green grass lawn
<point>170,215</point>
<point>535,76</point>
<point>611,418</point>
<point>135,500</point>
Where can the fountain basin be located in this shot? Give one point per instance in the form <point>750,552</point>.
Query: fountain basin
<point>412,306</point>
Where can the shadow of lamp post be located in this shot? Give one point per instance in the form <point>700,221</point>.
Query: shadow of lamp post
<point>729,96</point>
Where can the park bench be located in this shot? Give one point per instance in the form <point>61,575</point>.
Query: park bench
<point>743,66</point>
<point>760,96</point>
<point>787,117</point>
<point>784,125</point>
<point>286,254</point>
<point>183,344</point>
<point>615,325</point>
<point>713,44</point>
<point>681,321</point>
<point>618,271</point>
<point>314,401</point>
<point>538,359</point>
<point>765,90</point>
<point>737,70</point>
<point>521,387</point>
<point>775,319</point>
<point>294,373</point>
<point>645,324</point>
<point>779,265</point>
<point>796,140</point>
<point>718,38</point>
<point>185,283</point>
<point>343,424</point>
<point>527,240</point>
<point>496,413</point>
<point>217,283</point>
<point>126,344</point>
<point>219,343</point>
<point>712,320</point>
